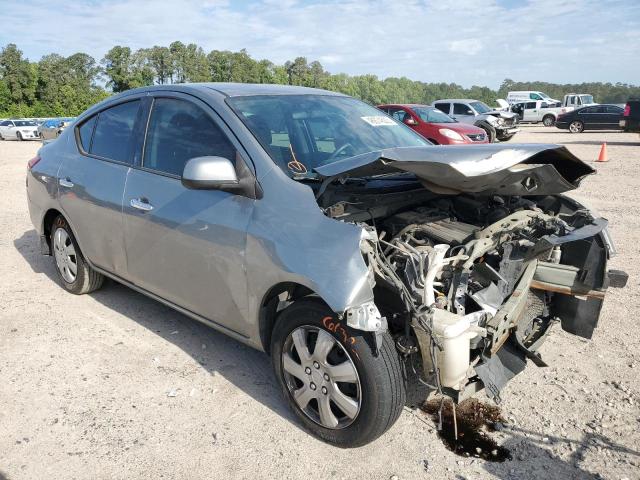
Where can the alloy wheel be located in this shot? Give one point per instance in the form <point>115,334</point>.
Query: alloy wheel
<point>321,377</point>
<point>65,255</point>
<point>575,127</point>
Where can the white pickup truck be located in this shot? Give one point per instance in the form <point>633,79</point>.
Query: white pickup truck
<point>535,111</point>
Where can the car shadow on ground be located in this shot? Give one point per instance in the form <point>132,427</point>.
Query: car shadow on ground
<point>246,368</point>
<point>553,466</point>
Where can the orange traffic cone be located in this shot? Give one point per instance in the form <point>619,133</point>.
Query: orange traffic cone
<point>603,153</point>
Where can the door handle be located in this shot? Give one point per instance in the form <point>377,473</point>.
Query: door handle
<point>141,204</point>
<point>65,182</point>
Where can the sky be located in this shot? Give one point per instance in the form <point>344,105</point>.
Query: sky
<point>468,42</point>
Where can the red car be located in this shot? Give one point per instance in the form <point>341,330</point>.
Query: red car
<point>435,126</point>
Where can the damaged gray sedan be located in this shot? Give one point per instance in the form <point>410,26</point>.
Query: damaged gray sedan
<point>373,267</point>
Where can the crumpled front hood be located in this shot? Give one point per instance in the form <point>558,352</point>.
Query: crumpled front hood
<point>501,113</point>
<point>517,169</point>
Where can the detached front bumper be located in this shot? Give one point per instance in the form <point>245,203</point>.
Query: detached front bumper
<point>507,131</point>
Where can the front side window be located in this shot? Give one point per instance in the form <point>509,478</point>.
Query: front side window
<point>113,136</point>
<point>461,109</point>
<point>535,96</point>
<point>179,131</point>
<point>302,132</point>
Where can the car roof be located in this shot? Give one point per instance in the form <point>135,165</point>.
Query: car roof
<point>408,105</point>
<point>237,89</point>
<point>463,100</point>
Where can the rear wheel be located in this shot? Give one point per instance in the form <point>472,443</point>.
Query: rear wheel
<point>340,390</point>
<point>74,272</point>
<point>548,120</point>
<point>576,126</point>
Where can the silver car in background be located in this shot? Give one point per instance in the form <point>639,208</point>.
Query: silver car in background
<point>499,125</point>
<point>373,267</point>
<point>51,129</point>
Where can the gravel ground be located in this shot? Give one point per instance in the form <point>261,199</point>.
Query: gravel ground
<point>115,385</point>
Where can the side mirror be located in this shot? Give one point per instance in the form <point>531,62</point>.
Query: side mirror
<point>410,121</point>
<point>209,173</point>
<point>470,112</point>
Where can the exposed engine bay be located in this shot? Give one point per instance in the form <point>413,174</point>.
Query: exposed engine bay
<point>469,285</point>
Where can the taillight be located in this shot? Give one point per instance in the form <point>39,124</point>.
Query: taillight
<point>31,163</point>
<point>627,110</point>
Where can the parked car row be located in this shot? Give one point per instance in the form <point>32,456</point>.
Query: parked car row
<point>456,121</point>
<point>29,129</point>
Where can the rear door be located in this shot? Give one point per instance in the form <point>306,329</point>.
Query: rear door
<point>187,246</point>
<point>91,182</point>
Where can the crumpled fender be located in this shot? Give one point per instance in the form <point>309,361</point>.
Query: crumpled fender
<point>291,240</point>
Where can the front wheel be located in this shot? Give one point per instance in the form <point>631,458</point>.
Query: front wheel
<point>490,131</point>
<point>576,126</point>
<point>19,136</point>
<point>548,121</point>
<point>340,389</point>
<point>506,138</point>
<point>75,273</point>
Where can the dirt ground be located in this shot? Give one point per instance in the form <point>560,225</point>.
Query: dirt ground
<point>115,385</point>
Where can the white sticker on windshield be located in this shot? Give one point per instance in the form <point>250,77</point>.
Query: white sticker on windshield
<point>379,121</point>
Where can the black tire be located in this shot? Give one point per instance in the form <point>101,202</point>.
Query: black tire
<point>576,126</point>
<point>86,279</point>
<point>382,385</point>
<point>489,130</point>
<point>548,120</point>
<point>19,136</point>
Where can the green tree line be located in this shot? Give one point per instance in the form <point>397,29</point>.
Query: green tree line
<point>65,86</point>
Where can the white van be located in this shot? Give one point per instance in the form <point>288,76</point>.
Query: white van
<point>526,95</point>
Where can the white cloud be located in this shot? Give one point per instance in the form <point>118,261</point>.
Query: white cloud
<point>466,47</point>
<point>585,40</point>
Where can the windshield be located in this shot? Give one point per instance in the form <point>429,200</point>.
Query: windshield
<point>432,115</point>
<point>480,107</point>
<point>302,132</point>
<point>543,95</point>
<point>25,123</point>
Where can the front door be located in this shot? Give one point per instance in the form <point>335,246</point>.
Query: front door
<point>530,112</point>
<point>463,113</point>
<point>186,246</point>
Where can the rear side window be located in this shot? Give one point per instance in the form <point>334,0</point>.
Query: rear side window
<point>86,131</point>
<point>443,107</point>
<point>113,134</point>
<point>460,109</point>
<point>179,131</point>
